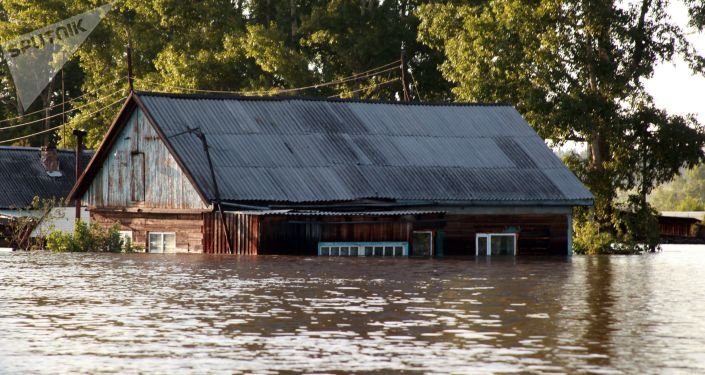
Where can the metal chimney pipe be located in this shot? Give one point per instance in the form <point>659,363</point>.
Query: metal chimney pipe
<point>79,133</point>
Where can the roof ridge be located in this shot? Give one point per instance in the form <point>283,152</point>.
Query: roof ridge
<point>275,98</point>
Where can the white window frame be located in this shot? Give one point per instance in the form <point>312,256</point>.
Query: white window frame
<point>488,251</point>
<point>359,249</point>
<point>163,243</point>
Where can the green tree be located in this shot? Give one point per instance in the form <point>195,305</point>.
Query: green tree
<point>228,45</point>
<point>686,192</point>
<point>18,17</point>
<point>576,69</point>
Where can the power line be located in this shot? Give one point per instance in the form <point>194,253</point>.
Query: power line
<point>68,101</point>
<point>57,127</point>
<point>59,114</point>
<point>367,88</point>
<point>355,77</point>
<point>416,85</point>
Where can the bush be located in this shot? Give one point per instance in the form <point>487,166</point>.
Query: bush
<point>631,231</point>
<point>589,239</point>
<point>88,238</point>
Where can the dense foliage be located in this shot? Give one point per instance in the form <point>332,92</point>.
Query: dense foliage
<point>243,45</point>
<point>685,193</point>
<point>576,70</point>
<point>86,238</point>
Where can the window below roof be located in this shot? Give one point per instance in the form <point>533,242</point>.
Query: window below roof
<point>162,242</point>
<point>363,249</point>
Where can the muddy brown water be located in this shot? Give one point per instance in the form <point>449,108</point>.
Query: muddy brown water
<point>171,314</point>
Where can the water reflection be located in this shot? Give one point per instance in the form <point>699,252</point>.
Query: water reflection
<point>103,313</point>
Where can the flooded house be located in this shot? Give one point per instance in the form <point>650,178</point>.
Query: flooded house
<point>288,175</point>
<point>29,172</point>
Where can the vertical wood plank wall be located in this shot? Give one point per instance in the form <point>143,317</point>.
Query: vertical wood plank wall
<point>244,233</point>
<point>139,162</point>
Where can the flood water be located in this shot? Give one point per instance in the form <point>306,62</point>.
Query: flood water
<point>161,314</point>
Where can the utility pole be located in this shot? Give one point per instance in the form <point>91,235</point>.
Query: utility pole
<point>63,108</point>
<point>79,133</point>
<point>130,76</point>
<point>404,79</point>
<point>199,133</point>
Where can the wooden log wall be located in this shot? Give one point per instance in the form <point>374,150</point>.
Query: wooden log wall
<point>536,234</point>
<point>187,227</point>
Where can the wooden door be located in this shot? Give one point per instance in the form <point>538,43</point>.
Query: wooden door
<point>137,178</point>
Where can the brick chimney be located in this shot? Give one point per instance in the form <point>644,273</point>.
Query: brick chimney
<point>50,159</point>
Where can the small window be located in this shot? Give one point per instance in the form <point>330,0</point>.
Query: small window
<point>126,237</point>
<point>363,249</point>
<point>162,242</point>
<point>487,244</point>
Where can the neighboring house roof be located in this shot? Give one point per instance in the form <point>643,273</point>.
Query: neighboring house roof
<point>289,149</point>
<point>22,176</point>
<point>697,215</point>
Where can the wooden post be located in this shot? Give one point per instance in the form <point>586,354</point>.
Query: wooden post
<point>404,80</point>
<point>569,219</point>
<point>79,133</point>
<point>130,76</point>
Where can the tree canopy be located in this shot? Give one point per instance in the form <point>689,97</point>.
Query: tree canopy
<point>225,45</point>
<point>576,70</point>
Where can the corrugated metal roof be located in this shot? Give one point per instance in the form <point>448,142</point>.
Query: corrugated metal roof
<point>302,150</point>
<point>22,176</point>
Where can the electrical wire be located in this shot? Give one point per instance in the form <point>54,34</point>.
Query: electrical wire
<point>366,88</point>
<point>416,85</point>
<point>59,114</point>
<point>68,101</point>
<point>59,126</point>
<point>358,76</point>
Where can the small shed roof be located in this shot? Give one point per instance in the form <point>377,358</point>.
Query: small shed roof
<point>697,215</point>
<point>289,149</point>
<point>22,176</point>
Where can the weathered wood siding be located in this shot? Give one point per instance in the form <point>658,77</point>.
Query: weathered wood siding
<point>454,235</point>
<point>187,227</point>
<point>536,234</point>
<point>140,172</point>
<point>299,235</point>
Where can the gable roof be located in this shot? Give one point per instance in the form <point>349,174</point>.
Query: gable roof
<point>22,176</point>
<point>289,149</point>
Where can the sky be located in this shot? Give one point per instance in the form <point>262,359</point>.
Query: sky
<point>673,86</point>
